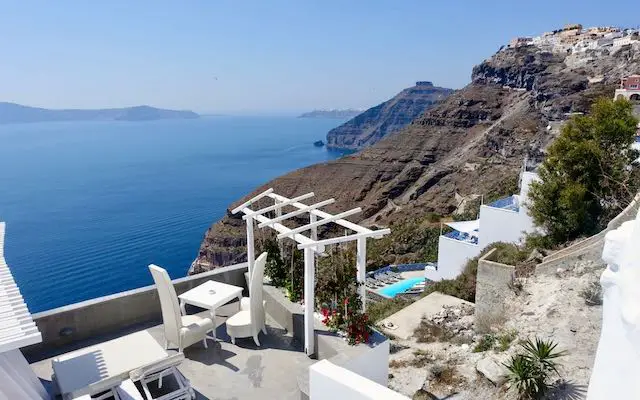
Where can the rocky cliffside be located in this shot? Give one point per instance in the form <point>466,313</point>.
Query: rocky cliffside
<point>473,142</point>
<point>389,117</point>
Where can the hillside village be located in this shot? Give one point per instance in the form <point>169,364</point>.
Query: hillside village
<point>573,38</point>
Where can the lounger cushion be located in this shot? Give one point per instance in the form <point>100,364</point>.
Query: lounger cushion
<point>127,390</point>
<point>240,318</point>
<point>195,327</point>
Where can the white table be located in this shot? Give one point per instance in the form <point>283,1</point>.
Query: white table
<point>210,295</point>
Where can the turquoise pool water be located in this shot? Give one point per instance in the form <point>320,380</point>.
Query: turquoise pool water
<point>399,287</point>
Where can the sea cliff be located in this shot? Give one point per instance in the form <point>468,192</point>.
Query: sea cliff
<point>473,142</point>
<point>386,118</point>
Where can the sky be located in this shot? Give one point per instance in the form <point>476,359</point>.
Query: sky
<point>261,57</point>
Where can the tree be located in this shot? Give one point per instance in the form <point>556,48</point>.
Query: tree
<point>589,174</point>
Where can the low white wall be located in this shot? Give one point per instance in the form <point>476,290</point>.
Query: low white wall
<point>452,258</point>
<point>372,364</point>
<point>328,381</point>
<point>499,225</point>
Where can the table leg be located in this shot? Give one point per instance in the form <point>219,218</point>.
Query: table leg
<point>213,318</point>
<point>183,307</point>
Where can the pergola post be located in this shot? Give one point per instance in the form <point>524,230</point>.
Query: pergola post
<point>310,244</point>
<point>309,300</point>
<point>251,252</point>
<point>361,265</point>
<point>314,231</point>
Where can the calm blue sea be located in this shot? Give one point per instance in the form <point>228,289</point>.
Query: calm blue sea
<point>88,205</point>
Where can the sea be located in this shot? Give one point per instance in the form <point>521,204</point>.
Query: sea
<point>89,205</point>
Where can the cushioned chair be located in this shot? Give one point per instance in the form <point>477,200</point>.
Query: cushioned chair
<point>250,320</point>
<point>180,330</point>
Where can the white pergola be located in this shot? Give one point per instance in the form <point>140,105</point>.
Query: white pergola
<point>310,244</point>
<point>17,329</point>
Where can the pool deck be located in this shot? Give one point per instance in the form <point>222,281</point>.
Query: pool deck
<point>407,320</point>
<point>404,275</point>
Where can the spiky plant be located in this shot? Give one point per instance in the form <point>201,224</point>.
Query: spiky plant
<point>529,371</point>
<point>542,352</point>
<point>524,377</point>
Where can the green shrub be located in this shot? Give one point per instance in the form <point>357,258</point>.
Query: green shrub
<point>486,343</point>
<point>587,177</point>
<point>275,267</point>
<point>529,371</point>
<point>505,340</point>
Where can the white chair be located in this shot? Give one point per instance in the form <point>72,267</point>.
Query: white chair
<point>181,330</point>
<point>250,320</point>
<point>157,372</point>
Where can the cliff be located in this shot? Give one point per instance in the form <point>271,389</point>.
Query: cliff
<point>16,113</point>
<point>474,141</point>
<point>384,119</point>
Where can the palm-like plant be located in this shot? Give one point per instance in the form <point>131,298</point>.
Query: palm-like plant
<point>542,353</point>
<point>528,372</point>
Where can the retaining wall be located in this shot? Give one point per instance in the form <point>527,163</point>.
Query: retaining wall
<point>590,248</point>
<point>493,285</point>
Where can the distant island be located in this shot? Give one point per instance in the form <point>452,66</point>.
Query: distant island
<point>16,113</point>
<point>346,113</point>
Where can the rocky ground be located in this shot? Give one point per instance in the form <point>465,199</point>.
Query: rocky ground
<point>439,362</point>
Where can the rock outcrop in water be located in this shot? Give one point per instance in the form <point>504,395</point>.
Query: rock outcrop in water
<point>384,119</point>
<point>475,141</point>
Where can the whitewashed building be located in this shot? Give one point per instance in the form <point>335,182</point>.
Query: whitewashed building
<point>622,41</point>
<point>504,220</point>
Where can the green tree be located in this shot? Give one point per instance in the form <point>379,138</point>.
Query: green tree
<point>276,269</point>
<point>588,175</point>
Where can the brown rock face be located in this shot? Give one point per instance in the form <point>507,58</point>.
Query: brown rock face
<point>472,142</point>
<point>386,118</point>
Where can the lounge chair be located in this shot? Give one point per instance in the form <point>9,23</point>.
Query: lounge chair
<point>250,320</point>
<point>153,375</point>
<point>372,283</point>
<point>384,278</point>
<point>393,276</point>
<point>103,369</point>
<point>180,330</point>
<point>109,389</point>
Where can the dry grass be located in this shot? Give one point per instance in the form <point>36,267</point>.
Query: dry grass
<point>427,332</point>
<point>444,375</point>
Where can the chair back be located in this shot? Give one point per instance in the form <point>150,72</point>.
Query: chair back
<point>171,317</point>
<point>256,308</point>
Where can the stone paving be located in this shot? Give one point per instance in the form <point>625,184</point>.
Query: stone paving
<point>233,372</point>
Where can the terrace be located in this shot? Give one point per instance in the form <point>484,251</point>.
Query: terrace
<point>297,357</point>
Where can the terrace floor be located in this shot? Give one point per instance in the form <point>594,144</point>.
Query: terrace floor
<point>230,372</point>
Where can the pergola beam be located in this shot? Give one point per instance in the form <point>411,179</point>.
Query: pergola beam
<point>324,221</point>
<point>322,214</point>
<point>297,212</point>
<point>340,239</point>
<point>282,229</point>
<point>278,205</point>
<point>251,201</point>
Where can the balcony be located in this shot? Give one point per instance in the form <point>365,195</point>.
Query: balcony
<point>510,203</point>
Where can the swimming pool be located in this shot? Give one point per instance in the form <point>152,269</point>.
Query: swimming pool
<point>399,287</point>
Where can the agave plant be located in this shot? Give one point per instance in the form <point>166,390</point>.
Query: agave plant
<point>543,354</point>
<point>529,371</point>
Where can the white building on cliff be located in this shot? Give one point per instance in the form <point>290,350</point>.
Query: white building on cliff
<point>504,220</point>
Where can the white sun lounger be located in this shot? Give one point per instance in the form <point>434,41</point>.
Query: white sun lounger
<point>157,372</point>
<point>98,368</point>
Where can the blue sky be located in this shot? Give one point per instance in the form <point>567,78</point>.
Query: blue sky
<point>261,56</point>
